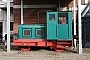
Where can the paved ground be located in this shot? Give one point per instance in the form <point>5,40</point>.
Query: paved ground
<point>44,54</point>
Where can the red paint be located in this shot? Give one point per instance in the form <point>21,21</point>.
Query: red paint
<point>57,45</point>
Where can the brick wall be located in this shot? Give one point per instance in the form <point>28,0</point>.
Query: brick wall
<point>31,14</point>
<point>88,0</point>
<point>17,19</point>
<point>17,2</point>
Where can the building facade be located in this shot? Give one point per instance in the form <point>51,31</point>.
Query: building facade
<point>31,8</point>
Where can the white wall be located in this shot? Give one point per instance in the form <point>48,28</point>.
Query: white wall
<point>3,19</point>
<point>86,1</point>
<point>1,14</point>
<point>6,0</point>
<point>5,15</point>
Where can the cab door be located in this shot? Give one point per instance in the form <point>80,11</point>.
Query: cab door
<point>64,25</point>
<point>52,24</point>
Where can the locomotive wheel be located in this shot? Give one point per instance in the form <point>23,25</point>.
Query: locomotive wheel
<point>59,49</point>
<point>25,48</point>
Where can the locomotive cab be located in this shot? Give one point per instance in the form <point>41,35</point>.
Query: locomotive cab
<point>60,27</point>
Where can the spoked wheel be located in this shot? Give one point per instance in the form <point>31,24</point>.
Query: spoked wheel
<point>2,45</point>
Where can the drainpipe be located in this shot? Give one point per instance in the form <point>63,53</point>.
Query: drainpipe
<point>74,8</point>
<point>21,11</point>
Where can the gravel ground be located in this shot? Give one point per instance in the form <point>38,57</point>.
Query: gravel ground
<point>44,54</point>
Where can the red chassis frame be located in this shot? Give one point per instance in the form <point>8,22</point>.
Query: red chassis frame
<point>25,44</point>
